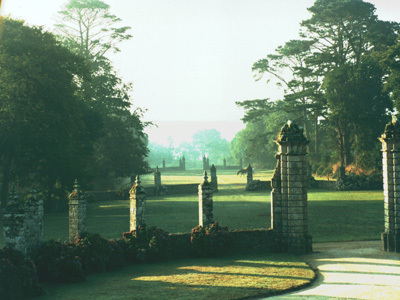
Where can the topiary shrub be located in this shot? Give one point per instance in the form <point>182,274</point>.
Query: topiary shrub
<point>98,254</point>
<point>209,241</point>
<point>146,244</point>
<point>18,277</point>
<point>58,262</point>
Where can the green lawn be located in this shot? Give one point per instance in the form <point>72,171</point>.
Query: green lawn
<point>233,277</point>
<point>333,215</point>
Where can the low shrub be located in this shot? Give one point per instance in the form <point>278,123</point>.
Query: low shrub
<point>209,241</point>
<point>98,254</point>
<point>57,262</point>
<point>146,244</point>
<point>352,182</point>
<point>18,277</point>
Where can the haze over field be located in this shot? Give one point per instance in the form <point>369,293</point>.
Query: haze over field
<point>190,61</point>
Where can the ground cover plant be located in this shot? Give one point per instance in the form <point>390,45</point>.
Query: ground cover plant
<point>232,277</point>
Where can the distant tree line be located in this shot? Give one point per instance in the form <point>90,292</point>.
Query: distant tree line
<point>341,83</point>
<point>64,112</point>
<point>204,142</point>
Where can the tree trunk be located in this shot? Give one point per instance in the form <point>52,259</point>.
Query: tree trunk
<point>316,146</point>
<point>5,183</point>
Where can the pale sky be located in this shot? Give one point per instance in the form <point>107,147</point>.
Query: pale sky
<point>190,60</point>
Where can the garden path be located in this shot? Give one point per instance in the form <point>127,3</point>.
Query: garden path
<point>351,270</point>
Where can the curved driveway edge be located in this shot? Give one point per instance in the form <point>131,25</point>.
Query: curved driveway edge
<point>351,270</point>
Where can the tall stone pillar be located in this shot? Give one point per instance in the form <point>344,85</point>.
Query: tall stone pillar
<point>34,214</point>
<point>249,174</point>
<point>157,178</point>
<point>13,224</point>
<point>183,163</point>
<point>137,205</point>
<point>205,202</point>
<point>241,163</point>
<point>214,179</point>
<point>204,163</point>
<point>224,163</point>
<point>163,163</point>
<point>391,186</point>
<point>77,212</point>
<point>289,195</point>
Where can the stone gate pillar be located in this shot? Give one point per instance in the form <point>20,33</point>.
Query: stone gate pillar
<point>34,213</point>
<point>13,224</point>
<point>214,179</point>
<point>205,202</point>
<point>157,178</point>
<point>137,205</point>
<point>289,195</point>
<point>77,213</point>
<point>391,186</point>
<point>249,174</point>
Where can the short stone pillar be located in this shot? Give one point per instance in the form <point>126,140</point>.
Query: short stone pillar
<point>289,215</point>
<point>249,174</point>
<point>77,212</point>
<point>214,179</point>
<point>157,178</point>
<point>391,186</point>
<point>137,205</point>
<point>13,224</point>
<point>34,214</point>
<point>206,216</point>
<point>183,163</point>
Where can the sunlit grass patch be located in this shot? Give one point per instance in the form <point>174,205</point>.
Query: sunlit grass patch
<point>232,277</point>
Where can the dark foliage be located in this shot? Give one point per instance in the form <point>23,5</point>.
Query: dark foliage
<point>57,262</point>
<point>18,277</point>
<point>209,241</point>
<point>146,244</point>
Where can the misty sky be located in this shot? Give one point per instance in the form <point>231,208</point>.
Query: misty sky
<point>191,60</point>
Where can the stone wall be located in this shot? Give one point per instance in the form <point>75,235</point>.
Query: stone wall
<point>240,241</point>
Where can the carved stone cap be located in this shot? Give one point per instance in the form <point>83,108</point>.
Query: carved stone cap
<point>392,130</point>
<point>291,133</point>
<point>76,193</point>
<point>205,180</point>
<point>137,187</point>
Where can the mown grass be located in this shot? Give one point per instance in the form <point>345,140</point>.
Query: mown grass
<point>234,277</point>
<point>333,215</point>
